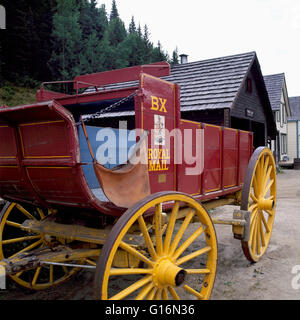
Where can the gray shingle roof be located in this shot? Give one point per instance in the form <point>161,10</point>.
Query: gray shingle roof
<point>210,84</point>
<point>295,108</point>
<point>207,84</point>
<point>274,84</point>
<point>214,83</point>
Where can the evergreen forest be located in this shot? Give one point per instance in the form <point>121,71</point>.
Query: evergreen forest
<point>53,40</point>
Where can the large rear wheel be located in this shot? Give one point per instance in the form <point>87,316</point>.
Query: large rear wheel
<point>176,260</point>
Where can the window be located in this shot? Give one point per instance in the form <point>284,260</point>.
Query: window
<point>284,113</point>
<point>278,116</point>
<point>283,143</point>
<point>248,85</point>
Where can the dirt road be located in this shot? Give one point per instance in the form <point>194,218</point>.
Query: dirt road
<point>236,279</point>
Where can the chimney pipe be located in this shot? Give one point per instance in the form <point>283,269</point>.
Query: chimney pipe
<point>184,58</point>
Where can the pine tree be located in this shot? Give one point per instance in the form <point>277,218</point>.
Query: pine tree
<point>132,27</point>
<point>147,46</point>
<point>175,59</point>
<point>158,54</point>
<point>101,21</point>
<point>65,61</point>
<point>114,11</point>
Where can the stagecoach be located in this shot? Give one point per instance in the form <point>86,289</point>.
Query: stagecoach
<point>112,178</point>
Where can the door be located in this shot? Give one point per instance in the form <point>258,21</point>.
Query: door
<point>157,110</point>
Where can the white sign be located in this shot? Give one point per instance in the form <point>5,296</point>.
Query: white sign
<point>159,130</point>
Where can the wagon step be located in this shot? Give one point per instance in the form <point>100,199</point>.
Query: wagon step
<point>73,232</point>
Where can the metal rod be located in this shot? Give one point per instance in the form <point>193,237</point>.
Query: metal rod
<point>69,265</point>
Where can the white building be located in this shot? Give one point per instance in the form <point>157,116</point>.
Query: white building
<point>294,129</point>
<point>278,95</point>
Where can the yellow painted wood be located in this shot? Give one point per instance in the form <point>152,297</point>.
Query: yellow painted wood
<point>165,257</point>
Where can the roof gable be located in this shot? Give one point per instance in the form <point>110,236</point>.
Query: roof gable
<point>274,84</point>
<point>210,84</point>
<point>295,108</point>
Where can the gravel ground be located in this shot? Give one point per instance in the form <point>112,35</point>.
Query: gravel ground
<point>272,278</point>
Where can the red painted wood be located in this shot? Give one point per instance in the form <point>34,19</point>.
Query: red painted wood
<point>158,103</point>
<point>157,69</point>
<point>40,156</point>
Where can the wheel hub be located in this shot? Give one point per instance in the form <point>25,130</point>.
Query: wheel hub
<point>166,273</point>
<point>264,204</point>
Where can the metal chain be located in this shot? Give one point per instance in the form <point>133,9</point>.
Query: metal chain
<point>98,114</point>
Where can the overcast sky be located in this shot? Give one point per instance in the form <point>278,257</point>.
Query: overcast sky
<point>206,29</point>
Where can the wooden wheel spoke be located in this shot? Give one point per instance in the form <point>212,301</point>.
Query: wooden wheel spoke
<point>151,294</point>
<point>165,294</point>
<point>147,238</point>
<point>135,253</point>
<point>252,207</point>
<point>268,187</point>
<point>252,226</point>
<point>193,292</point>
<point>13,224</point>
<point>197,271</point>
<point>15,240</point>
<point>188,242</point>
<point>25,212</point>
<point>254,237</point>
<point>266,178</point>
<point>157,294</point>
<point>181,230</point>
<point>171,226</point>
<point>265,223</point>
<point>266,164</point>
<point>158,231</point>
<point>255,186</point>
<point>51,272</point>
<point>258,235</point>
<point>128,271</point>
<point>36,275</point>
<point>41,213</point>
<point>262,237</point>
<point>173,293</point>
<point>129,290</point>
<point>193,255</point>
<point>144,292</point>
<point>252,196</point>
<point>33,245</point>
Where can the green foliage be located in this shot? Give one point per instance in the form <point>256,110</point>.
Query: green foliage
<point>66,41</point>
<point>60,39</point>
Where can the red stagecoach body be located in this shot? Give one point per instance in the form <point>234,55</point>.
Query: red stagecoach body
<point>40,156</point>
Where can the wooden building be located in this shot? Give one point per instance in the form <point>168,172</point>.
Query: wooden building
<point>294,131</point>
<point>278,95</point>
<point>227,91</point>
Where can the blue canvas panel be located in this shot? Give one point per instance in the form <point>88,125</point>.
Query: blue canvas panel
<point>110,147</point>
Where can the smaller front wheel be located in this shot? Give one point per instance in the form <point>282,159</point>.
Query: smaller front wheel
<point>259,197</point>
<point>177,260</point>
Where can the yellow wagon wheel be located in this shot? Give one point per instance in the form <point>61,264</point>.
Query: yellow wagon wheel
<point>178,260</point>
<point>14,240</point>
<point>259,197</point>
